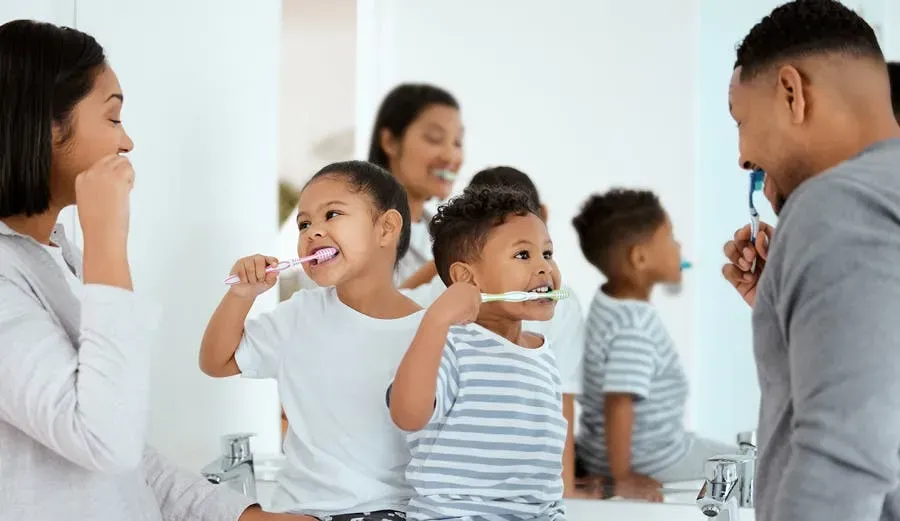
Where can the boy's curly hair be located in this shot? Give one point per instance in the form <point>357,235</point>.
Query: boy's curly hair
<point>615,219</point>
<point>460,227</point>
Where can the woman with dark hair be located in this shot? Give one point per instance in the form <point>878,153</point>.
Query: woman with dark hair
<point>418,137</point>
<point>74,338</point>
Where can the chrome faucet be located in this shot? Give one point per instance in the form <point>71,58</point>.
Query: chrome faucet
<point>235,466</point>
<point>721,491</point>
<point>747,447</point>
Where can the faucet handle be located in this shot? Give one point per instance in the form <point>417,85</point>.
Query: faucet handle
<point>725,468</point>
<point>237,446</point>
<point>747,438</point>
<point>720,469</point>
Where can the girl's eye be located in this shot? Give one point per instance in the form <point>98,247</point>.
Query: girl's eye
<point>116,121</point>
<point>548,254</point>
<point>331,213</point>
<point>522,255</point>
<point>303,225</point>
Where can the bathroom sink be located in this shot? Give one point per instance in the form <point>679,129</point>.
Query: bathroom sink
<point>678,506</point>
<point>683,492</point>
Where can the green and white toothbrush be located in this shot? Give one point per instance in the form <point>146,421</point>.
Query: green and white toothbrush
<point>522,296</point>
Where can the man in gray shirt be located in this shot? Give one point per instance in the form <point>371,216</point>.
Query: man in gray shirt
<point>811,97</point>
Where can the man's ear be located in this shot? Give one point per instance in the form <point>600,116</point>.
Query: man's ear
<point>462,272</point>
<point>391,226</point>
<point>791,93</point>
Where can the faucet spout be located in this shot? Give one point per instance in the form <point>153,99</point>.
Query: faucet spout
<point>234,468</point>
<point>723,488</point>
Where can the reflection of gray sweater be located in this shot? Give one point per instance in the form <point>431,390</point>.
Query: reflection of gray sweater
<point>74,390</point>
<point>827,341</point>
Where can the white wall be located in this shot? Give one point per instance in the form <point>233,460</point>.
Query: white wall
<point>569,95</point>
<point>724,386</point>
<point>201,90</point>
<point>317,86</point>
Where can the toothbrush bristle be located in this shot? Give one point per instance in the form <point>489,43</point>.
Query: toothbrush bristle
<point>560,294</point>
<point>325,254</point>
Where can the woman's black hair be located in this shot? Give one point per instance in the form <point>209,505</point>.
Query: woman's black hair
<point>399,109</point>
<point>380,185</point>
<point>45,70</point>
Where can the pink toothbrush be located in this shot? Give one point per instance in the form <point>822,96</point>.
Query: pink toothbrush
<point>321,255</point>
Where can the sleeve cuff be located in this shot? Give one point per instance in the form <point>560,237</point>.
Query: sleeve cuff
<point>244,359</point>
<point>638,392</point>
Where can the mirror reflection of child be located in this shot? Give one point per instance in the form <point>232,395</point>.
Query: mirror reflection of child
<point>635,388</point>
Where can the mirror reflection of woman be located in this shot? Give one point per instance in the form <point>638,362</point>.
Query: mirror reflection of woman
<point>418,137</point>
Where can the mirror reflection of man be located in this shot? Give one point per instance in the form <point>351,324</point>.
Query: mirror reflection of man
<point>812,99</point>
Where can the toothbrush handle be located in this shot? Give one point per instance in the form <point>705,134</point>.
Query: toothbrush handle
<point>281,266</point>
<point>512,296</point>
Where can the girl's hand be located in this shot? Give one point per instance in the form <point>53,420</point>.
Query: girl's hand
<point>252,273</point>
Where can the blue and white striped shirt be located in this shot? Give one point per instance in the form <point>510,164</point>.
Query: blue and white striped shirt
<point>493,448</point>
<point>628,350</point>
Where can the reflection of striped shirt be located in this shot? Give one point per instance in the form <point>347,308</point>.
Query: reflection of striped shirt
<point>628,350</point>
<point>493,449</point>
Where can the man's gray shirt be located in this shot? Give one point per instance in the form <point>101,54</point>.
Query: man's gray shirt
<point>826,327</point>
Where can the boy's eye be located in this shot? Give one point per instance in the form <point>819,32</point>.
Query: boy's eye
<point>522,255</point>
<point>548,254</point>
<point>303,225</point>
<point>331,213</point>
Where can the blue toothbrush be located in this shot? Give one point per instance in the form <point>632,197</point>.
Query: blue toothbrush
<point>756,184</point>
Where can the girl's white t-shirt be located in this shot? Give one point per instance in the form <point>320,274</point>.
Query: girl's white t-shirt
<point>333,366</point>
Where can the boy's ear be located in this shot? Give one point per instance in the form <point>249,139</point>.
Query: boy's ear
<point>388,143</point>
<point>637,256</point>
<point>462,272</point>
<point>543,213</point>
<point>391,223</point>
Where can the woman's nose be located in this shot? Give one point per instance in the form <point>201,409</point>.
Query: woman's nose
<point>127,145</point>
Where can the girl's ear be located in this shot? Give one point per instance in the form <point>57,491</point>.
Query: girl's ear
<point>390,228</point>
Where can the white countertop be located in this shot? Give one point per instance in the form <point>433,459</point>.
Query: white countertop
<point>678,507</point>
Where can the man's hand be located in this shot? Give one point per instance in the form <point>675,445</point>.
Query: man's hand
<point>741,254</point>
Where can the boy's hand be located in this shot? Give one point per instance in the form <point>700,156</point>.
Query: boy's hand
<point>638,486</point>
<point>457,305</point>
<point>741,254</point>
<point>254,279</point>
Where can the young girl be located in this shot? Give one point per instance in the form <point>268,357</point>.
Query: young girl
<point>333,348</point>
